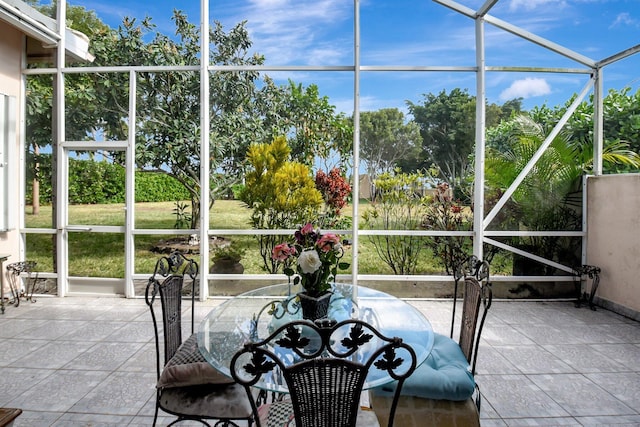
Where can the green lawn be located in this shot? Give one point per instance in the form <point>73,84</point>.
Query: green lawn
<point>101,254</point>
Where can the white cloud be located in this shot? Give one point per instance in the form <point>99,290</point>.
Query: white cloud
<point>526,88</point>
<point>535,4</point>
<point>343,105</point>
<point>283,29</point>
<point>624,19</point>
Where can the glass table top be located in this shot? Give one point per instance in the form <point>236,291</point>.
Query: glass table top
<point>254,315</point>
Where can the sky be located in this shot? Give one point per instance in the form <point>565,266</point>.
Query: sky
<point>418,33</point>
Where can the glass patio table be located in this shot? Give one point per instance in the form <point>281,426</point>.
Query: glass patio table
<point>251,316</point>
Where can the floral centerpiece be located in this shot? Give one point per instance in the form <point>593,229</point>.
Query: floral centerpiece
<point>313,260</point>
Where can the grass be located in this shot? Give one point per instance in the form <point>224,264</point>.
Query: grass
<point>102,254</point>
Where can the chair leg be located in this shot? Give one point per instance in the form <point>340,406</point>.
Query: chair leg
<point>155,417</point>
<point>478,399</point>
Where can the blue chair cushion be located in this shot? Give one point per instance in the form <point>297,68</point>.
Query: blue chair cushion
<point>445,374</point>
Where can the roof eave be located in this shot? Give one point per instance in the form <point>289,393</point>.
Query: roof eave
<point>42,28</point>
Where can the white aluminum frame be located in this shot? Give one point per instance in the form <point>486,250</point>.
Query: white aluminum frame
<point>480,234</point>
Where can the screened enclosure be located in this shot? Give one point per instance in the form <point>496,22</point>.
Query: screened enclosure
<point>402,127</point>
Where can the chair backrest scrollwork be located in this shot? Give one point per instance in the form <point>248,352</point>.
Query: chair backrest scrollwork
<point>324,365</point>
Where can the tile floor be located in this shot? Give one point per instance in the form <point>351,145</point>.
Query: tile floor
<point>89,361</point>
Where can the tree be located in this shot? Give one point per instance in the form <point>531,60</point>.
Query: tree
<point>386,140</point>
<point>621,112</point>
<point>447,126</point>
<point>39,100</point>
<point>168,122</point>
<point>40,116</point>
<point>245,107</point>
<point>314,130</point>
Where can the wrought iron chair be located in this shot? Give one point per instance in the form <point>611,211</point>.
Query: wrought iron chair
<point>443,391</point>
<point>187,386</point>
<point>323,370</point>
<point>470,267</point>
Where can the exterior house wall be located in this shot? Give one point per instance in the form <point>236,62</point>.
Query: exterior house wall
<point>11,54</point>
<point>365,186</point>
<point>613,206</point>
<point>10,78</point>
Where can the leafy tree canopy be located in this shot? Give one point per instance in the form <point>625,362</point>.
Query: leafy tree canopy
<point>246,107</point>
<point>387,140</point>
<point>621,127</point>
<point>447,126</point>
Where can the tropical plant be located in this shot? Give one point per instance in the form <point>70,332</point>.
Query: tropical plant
<point>621,114</point>
<point>549,198</point>
<point>183,217</point>
<point>281,194</point>
<point>335,190</point>
<point>230,252</point>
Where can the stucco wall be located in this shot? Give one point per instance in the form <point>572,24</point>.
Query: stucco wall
<point>10,63</point>
<point>613,203</point>
<point>10,54</point>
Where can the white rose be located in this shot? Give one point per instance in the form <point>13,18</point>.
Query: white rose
<point>309,261</point>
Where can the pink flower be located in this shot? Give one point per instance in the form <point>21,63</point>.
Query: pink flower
<point>283,251</point>
<point>327,242</point>
<point>306,235</point>
<point>317,262</point>
<point>307,229</point>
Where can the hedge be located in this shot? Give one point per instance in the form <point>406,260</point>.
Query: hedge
<point>101,182</point>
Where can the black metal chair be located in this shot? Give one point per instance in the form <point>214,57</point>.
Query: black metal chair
<point>188,386</point>
<point>471,267</point>
<point>443,390</point>
<point>323,370</point>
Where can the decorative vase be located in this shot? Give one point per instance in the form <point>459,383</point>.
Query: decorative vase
<point>314,308</point>
<point>226,266</point>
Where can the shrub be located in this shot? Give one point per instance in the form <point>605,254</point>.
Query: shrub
<point>280,192</point>
<point>159,187</point>
<point>335,190</point>
<point>92,182</point>
<point>446,214</point>
<point>398,206</point>
<point>230,252</point>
